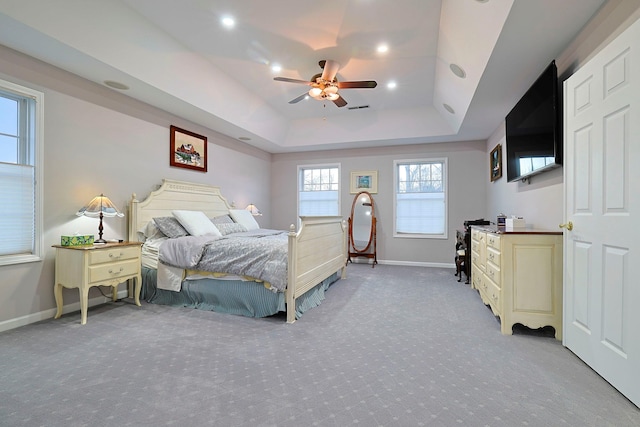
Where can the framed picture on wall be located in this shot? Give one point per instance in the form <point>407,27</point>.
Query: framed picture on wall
<point>495,162</point>
<point>187,150</point>
<point>364,181</point>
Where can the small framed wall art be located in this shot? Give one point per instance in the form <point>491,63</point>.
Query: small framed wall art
<point>495,162</point>
<point>188,150</point>
<point>364,181</point>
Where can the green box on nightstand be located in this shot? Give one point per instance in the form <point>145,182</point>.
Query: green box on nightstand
<point>76,240</point>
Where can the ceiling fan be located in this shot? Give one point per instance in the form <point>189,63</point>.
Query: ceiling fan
<point>325,85</point>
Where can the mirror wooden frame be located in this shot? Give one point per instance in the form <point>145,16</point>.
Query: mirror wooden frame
<point>369,250</point>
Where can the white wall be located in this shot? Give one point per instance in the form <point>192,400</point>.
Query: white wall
<point>541,201</point>
<point>468,170</point>
<point>97,141</point>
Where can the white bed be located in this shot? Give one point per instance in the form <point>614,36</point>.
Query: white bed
<point>316,251</point>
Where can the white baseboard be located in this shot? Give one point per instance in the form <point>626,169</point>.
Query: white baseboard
<point>48,314</point>
<point>407,263</point>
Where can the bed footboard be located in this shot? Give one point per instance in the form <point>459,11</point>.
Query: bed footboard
<point>316,251</point>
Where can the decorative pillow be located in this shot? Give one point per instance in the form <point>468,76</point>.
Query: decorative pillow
<point>196,223</point>
<point>234,227</point>
<point>222,219</point>
<point>170,227</point>
<point>245,218</point>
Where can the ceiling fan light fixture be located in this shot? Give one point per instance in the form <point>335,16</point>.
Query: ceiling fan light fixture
<point>332,96</point>
<point>315,92</point>
<point>331,89</point>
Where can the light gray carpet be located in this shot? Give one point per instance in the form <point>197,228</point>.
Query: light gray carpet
<point>390,346</point>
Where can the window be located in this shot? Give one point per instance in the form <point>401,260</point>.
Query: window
<point>420,198</point>
<point>21,111</point>
<point>530,164</point>
<point>319,190</point>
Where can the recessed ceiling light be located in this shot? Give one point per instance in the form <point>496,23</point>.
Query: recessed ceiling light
<point>116,85</point>
<point>391,85</point>
<point>458,71</point>
<point>228,22</point>
<point>276,68</point>
<point>382,48</point>
<point>449,108</point>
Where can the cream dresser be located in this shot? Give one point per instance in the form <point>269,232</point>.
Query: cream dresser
<point>96,265</point>
<point>519,275</point>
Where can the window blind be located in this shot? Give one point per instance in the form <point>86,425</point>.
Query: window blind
<point>17,209</point>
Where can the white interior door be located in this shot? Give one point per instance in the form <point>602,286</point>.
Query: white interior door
<point>602,201</point>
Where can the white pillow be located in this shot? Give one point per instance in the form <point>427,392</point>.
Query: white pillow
<point>196,223</point>
<point>149,231</point>
<point>245,218</point>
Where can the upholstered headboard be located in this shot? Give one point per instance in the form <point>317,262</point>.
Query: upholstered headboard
<point>174,195</point>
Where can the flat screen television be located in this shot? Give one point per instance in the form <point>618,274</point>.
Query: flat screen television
<point>534,129</point>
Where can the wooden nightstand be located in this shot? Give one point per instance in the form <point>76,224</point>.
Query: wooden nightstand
<point>98,265</point>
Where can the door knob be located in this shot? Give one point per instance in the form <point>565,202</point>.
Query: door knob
<point>568,226</point>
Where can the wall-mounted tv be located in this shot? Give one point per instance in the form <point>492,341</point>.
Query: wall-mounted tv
<point>534,129</point>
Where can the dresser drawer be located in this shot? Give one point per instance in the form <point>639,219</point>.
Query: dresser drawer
<point>115,254</point>
<point>493,241</point>
<point>474,234</point>
<point>493,256</point>
<point>476,277</point>
<point>114,270</point>
<point>493,294</point>
<point>493,273</point>
<point>475,258</point>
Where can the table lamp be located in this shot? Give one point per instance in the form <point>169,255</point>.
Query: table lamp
<point>253,209</point>
<point>100,206</point>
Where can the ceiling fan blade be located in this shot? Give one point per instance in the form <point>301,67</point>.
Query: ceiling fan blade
<point>329,70</point>
<point>340,102</point>
<point>366,84</point>
<point>298,99</point>
<point>286,79</point>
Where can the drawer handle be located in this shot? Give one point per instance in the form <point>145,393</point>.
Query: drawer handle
<point>111,255</point>
<point>115,272</point>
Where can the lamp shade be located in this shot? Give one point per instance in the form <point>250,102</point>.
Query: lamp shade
<point>253,209</point>
<point>100,206</point>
